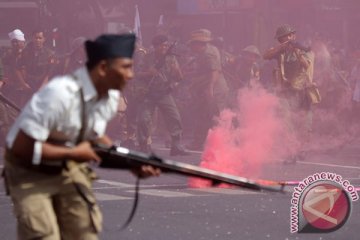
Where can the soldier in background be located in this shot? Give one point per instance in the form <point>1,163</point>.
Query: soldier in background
<point>160,74</point>
<point>248,68</point>
<point>133,95</point>
<point>246,73</point>
<point>4,123</point>
<point>209,88</point>
<point>294,78</point>
<point>228,60</point>
<point>16,88</point>
<point>37,62</point>
<point>12,84</point>
<point>77,57</point>
<point>354,78</point>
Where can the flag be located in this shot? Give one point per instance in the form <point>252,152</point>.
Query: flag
<point>137,29</point>
<point>161,20</point>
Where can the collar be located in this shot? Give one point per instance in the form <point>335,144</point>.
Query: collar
<point>88,87</point>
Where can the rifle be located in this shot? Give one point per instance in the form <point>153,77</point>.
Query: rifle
<point>168,52</point>
<point>123,158</point>
<point>299,46</point>
<point>160,63</point>
<point>9,103</point>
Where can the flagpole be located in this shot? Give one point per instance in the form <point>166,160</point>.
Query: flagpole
<point>137,25</point>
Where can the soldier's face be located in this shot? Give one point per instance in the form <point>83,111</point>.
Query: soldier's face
<point>197,46</point>
<point>17,45</point>
<point>119,72</point>
<point>162,48</point>
<point>39,39</point>
<point>286,38</point>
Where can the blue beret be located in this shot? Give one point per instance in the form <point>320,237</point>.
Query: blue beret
<point>108,46</point>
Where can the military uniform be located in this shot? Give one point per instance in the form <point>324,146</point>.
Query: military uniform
<point>5,120</point>
<point>206,109</point>
<point>158,95</point>
<point>248,68</point>
<point>245,72</point>
<point>13,87</point>
<point>36,65</point>
<point>133,95</point>
<point>293,80</point>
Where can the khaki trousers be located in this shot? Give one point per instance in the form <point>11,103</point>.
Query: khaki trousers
<point>49,206</point>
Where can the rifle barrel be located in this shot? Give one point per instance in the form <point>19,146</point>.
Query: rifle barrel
<point>124,158</point>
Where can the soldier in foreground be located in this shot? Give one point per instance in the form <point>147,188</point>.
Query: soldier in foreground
<point>50,144</point>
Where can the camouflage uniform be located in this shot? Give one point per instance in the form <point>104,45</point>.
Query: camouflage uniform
<point>296,80</point>
<point>293,80</point>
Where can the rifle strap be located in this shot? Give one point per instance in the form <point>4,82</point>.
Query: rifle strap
<point>83,117</point>
<point>135,204</point>
<point>80,138</point>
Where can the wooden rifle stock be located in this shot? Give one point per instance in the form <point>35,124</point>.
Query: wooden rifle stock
<point>123,158</point>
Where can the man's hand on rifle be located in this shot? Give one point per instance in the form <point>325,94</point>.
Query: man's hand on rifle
<point>83,152</point>
<point>283,46</point>
<point>146,171</point>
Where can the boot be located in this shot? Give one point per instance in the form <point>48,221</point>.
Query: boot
<point>177,149</point>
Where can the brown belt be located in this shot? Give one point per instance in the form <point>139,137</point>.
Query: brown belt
<point>42,168</point>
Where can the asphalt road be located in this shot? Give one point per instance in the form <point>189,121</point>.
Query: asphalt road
<point>169,209</point>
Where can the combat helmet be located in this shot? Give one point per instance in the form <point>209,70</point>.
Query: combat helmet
<point>284,30</point>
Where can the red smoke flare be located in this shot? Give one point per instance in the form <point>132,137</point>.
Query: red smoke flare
<point>249,137</point>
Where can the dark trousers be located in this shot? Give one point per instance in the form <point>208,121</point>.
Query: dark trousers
<point>205,113</point>
<point>169,110</point>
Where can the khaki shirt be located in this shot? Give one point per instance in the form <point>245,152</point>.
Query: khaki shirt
<point>297,76</point>
<point>205,64</point>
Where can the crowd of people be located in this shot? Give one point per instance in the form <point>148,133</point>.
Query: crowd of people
<point>180,88</point>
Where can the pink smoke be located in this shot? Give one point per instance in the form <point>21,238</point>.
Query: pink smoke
<point>259,137</point>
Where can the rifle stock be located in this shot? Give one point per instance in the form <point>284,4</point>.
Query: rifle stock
<point>123,158</point>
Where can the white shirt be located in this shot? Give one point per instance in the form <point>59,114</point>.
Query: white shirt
<point>54,112</point>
